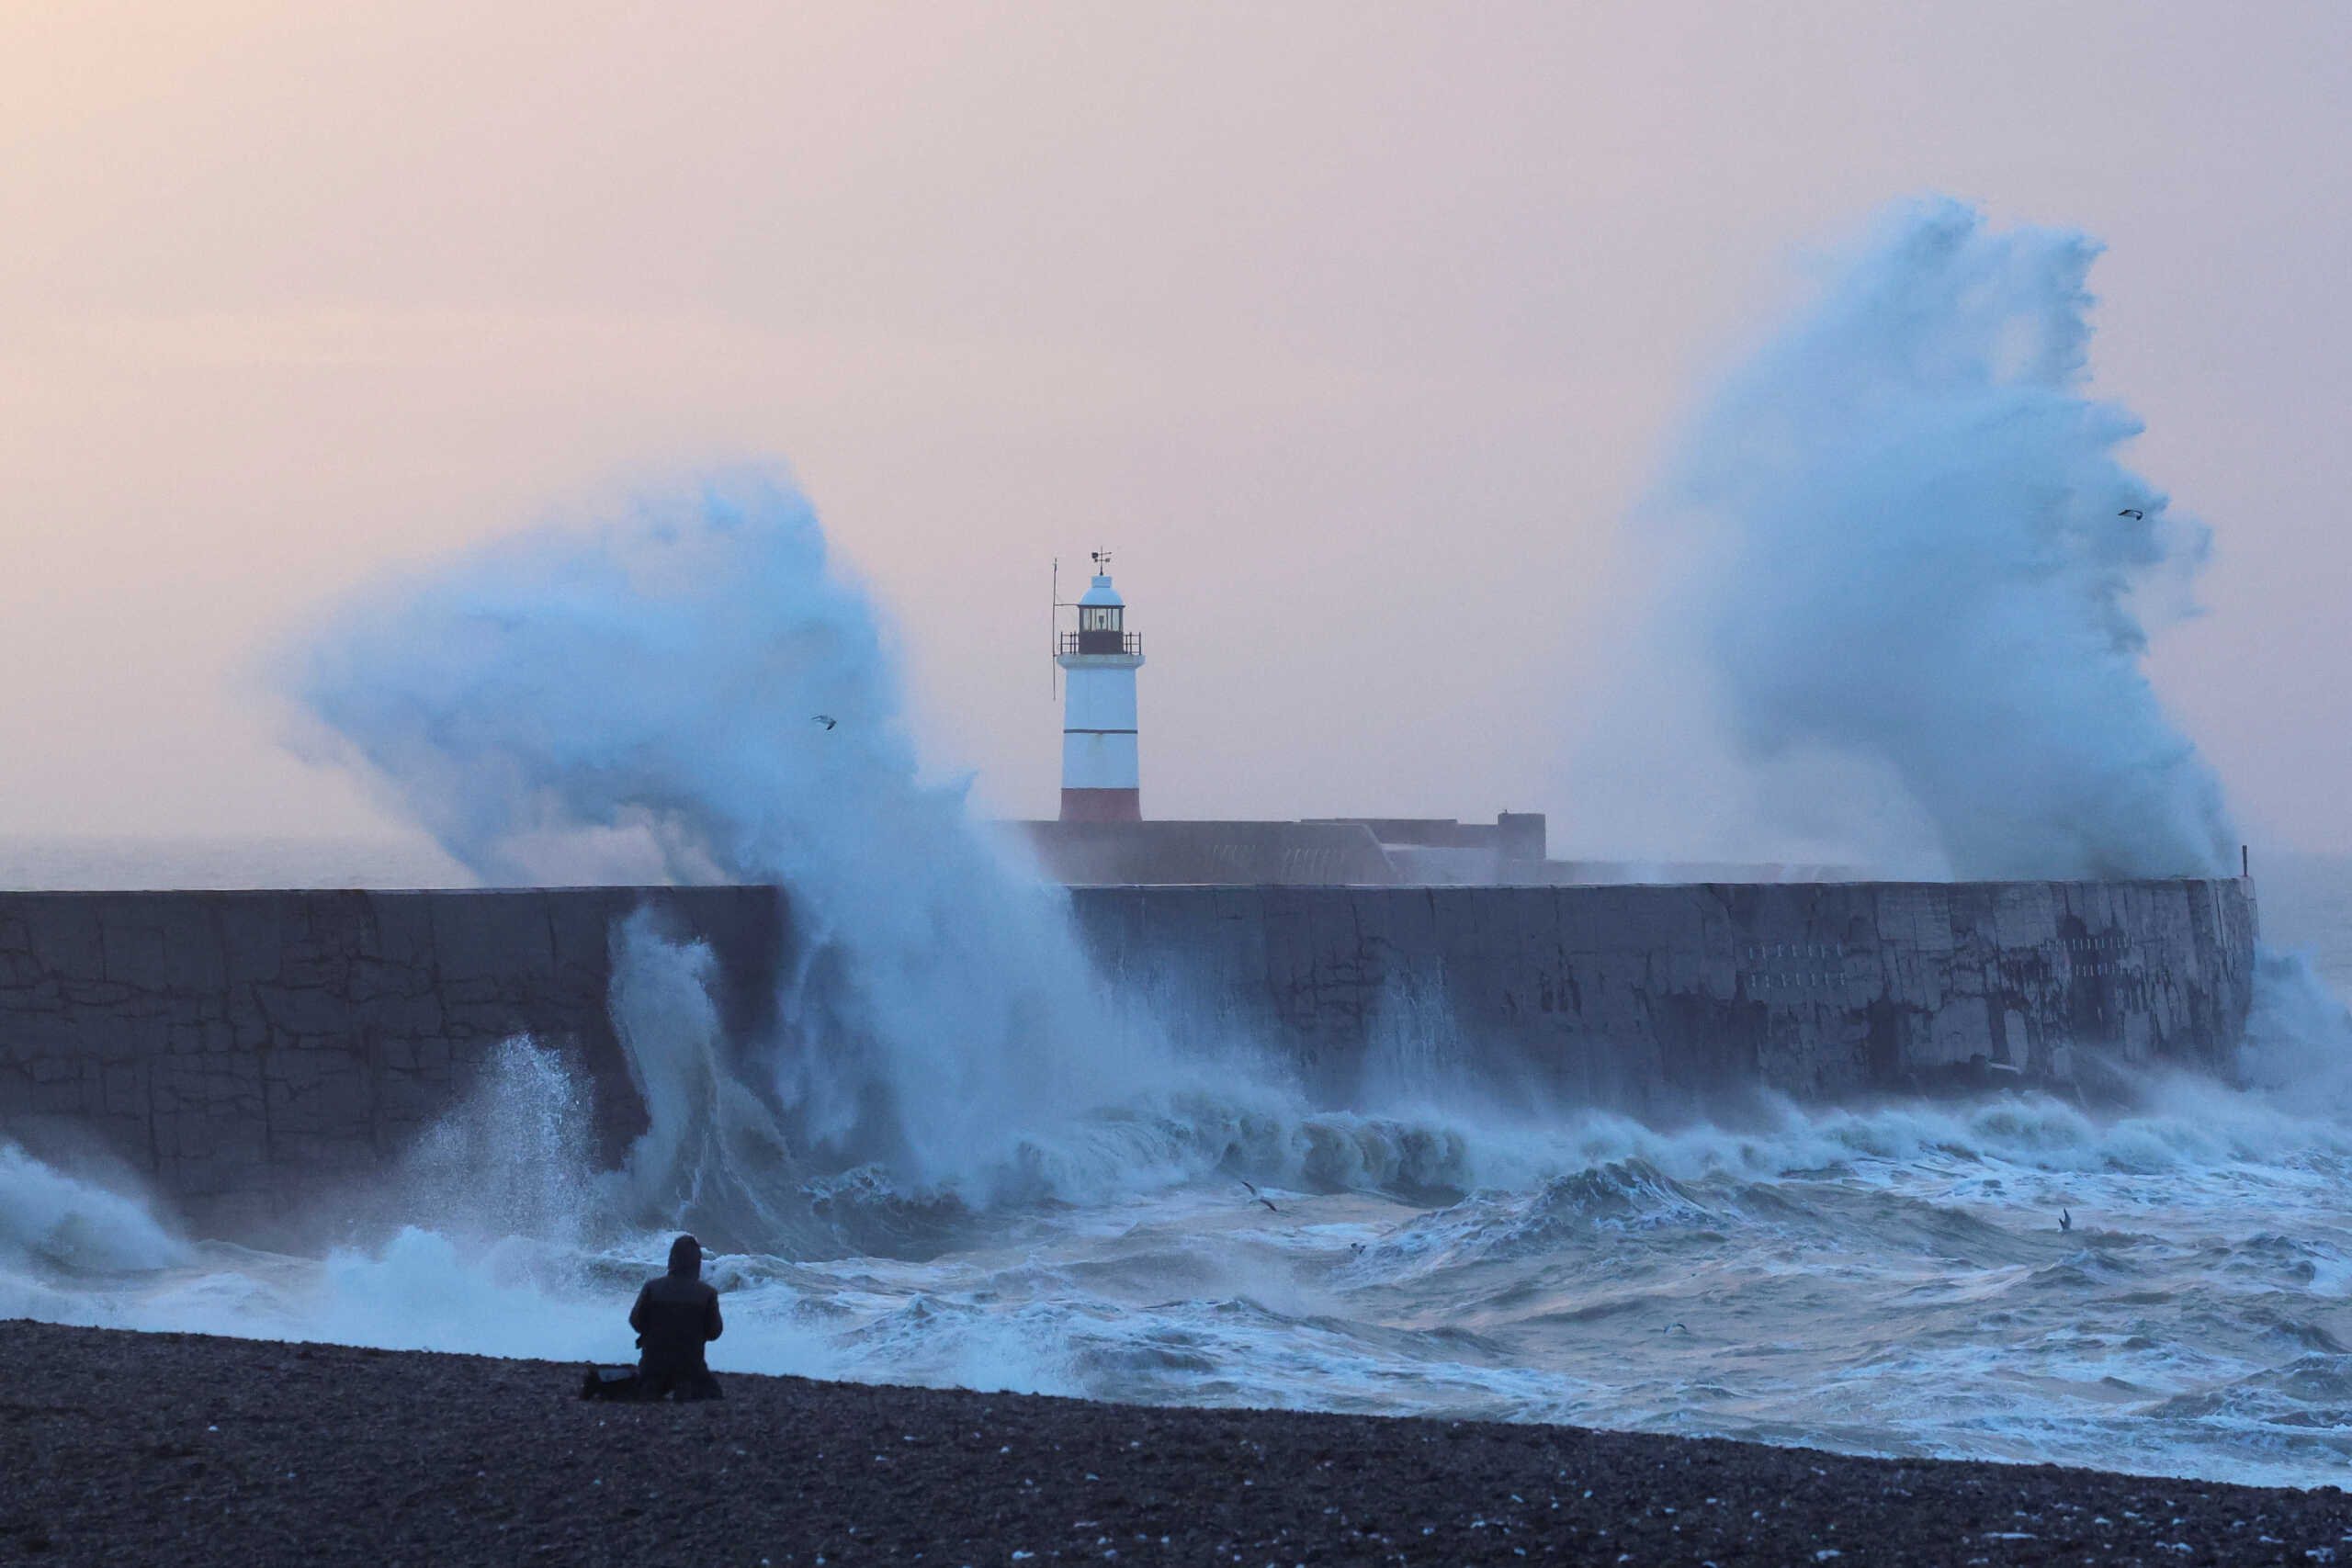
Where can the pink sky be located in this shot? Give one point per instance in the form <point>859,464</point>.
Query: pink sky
<point>1352,329</point>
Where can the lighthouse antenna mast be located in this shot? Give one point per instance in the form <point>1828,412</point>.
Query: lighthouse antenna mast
<point>1054,619</point>
<point>1054,628</point>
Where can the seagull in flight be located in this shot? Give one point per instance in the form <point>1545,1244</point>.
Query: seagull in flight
<point>2134,512</point>
<point>1269,1202</point>
<point>2065,1221</point>
<point>828,720</point>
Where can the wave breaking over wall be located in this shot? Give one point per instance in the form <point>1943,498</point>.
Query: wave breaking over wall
<point>689,690</point>
<point>1900,558</point>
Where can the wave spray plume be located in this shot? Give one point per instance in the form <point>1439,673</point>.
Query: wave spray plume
<point>633,699</point>
<point>1922,566</point>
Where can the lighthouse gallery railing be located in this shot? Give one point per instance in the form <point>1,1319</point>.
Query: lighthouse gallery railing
<point>1099,642</point>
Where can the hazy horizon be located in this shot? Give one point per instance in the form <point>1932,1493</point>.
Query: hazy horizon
<point>1356,332</point>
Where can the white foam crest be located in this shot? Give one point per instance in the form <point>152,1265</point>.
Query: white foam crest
<point>2190,1126</point>
<point>417,1290</point>
<point>53,1221</point>
<point>421,1291</point>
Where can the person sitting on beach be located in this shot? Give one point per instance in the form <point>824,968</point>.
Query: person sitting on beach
<point>674,1317</point>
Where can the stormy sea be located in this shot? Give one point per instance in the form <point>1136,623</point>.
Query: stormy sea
<point>962,1158</point>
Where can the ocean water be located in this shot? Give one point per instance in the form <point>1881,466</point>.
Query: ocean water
<point>1889,1280</point>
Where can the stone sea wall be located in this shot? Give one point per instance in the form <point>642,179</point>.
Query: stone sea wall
<point>1655,999</point>
<point>246,1052</point>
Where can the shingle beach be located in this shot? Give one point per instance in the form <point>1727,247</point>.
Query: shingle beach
<point>131,1448</point>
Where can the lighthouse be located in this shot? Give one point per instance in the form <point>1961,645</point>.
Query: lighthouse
<point>1100,781</point>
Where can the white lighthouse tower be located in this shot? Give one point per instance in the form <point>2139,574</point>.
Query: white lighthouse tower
<point>1099,779</point>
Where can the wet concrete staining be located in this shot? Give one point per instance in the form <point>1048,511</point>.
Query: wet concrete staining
<point>121,1448</point>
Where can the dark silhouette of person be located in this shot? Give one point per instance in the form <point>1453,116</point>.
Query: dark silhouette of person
<point>674,1317</point>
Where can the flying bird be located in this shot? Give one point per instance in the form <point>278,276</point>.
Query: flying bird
<point>2134,512</point>
<point>2065,1221</point>
<point>828,720</point>
<point>1269,1202</point>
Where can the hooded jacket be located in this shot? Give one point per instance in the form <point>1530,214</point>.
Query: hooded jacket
<point>676,1314</point>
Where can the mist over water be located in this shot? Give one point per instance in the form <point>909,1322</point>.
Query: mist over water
<point>1898,572</point>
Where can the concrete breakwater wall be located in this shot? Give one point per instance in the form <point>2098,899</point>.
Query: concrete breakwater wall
<point>1652,998</point>
<point>243,1052</point>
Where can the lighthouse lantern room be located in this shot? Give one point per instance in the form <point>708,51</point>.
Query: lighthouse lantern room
<point>1100,777</point>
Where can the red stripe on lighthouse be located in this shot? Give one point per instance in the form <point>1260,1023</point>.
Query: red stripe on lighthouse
<point>1102,805</point>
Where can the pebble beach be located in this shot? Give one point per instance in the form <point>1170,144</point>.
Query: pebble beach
<point>119,1447</point>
